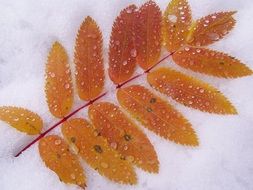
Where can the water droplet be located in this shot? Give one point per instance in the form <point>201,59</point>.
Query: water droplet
<point>214,36</point>
<point>114,145</point>
<point>201,90</point>
<point>133,53</point>
<point>52,75</point>
<point>73,176</point>
<point>67,86</point>
<point>57,142</point>
<point>186,48</point>
<point>130,158</point>
<point>172,18</point>
<point>129,11</point>
<point>125,63</point>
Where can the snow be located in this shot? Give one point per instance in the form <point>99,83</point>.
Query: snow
<point>222,161</point>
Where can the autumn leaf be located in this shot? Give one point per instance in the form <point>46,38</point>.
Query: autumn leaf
<point>88,60</point>
<point>122,49</point>
<point>148,37</point>
<point>190,91</point>
<point>95,150</point>
<point>21,119</point>
<point>211,28</point>
<point>57,156</point>
<point>211,63</point>
<point>123,135</point>
<point>177,20</point>
<point>58,88</point>
<point>156,114</point>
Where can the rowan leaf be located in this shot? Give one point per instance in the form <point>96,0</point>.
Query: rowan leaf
<point>123,135</point>
<point>211,28</point>
<point>190,91</point>
<point>122,49</point>
<point>57,156</point>
<point>177,20</point>
<point>98,154</point>
<point>88,60</point>
<point>156,114</point>
<point>21,119</point>
<point>148,37</point>
<point>58,88</point>
<point>211,63</point>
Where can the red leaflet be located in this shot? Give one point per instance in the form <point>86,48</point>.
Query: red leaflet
<point>148,37</point>
<point>88,60</point>
<point>122,50</point>
<point>123,135</point>
<point>156,115</point>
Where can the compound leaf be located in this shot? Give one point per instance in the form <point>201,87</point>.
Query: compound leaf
<point>95,150</point>
<point>123,135</point>
<point>58,88</point>
<point>57,156</point>
<point>88,60</point>
<point>156,114</point>
<point>190,91</point>
<point>122,49</point>
<point>211,62</point>
<point>22,119</point>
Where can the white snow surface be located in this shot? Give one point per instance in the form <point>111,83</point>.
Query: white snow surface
<point>224,159</point>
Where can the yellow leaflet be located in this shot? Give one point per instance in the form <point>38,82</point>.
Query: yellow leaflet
<point>211,63</point>
<point>156,114</point>
<point>95,150</point>
<point>58,88</point>
<point>211,28</point>
<point>57,156</point>
<point>22,119</point>
<point>190,91</point>
<point>176,23</point>
<point>123,135</point>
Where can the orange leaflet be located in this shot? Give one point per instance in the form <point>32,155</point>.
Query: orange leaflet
<point>122,50</point>
<point>148,37</point>
<point>211,28</point>
<point>123,135</point>
<point>156,115</point>
<point>57,156</point>
<point>176,23</point>
<point>58,88</point>
<point>22,119</point>
<point>211,63</point>
<point>95,150</point>
<point>89,61</point>
<point>190,91</point>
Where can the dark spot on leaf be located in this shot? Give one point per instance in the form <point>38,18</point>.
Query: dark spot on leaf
<point>222,63</point>
<point>127,137</point>
<point>149,109</point>
<point>152,100</point>
<point>58,156</point>
<point>98,149</point>
<point>73,139</point>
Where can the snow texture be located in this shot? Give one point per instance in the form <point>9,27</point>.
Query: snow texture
<point>224,159</point>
